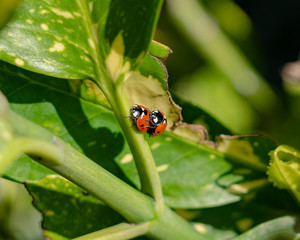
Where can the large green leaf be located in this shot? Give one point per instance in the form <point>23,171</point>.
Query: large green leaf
<point>88,127</point>
<point>188,173</point>
<point>71,39</point>
<point>67,209</point>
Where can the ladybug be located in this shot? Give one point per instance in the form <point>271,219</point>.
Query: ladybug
<point>140,115</point>
<point>158,123</point>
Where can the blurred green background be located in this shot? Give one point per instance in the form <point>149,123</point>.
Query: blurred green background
<point>228,57</point>
<point>227,60</point>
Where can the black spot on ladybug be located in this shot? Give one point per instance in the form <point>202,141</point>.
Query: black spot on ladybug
<point>158,131</point>
<point>142,125</point>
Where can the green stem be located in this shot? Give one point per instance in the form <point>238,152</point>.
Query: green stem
<point>122,231</point>
<point>150,182</point>
<point>17,146</point>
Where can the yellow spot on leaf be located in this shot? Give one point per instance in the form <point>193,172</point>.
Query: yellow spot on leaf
<point>11,54</point>
<point>29,21</point>
<point>57,47</point>
<point>64,14</point>
<point>32,10</point>
<point>115,60</point>
<point>207,187</point>
<point>92,43</point>
<point>60,21</point>
<point>162,168</point>
<point>49,213</point>
<point>212,156</point>
<point>44,27</point>
<point>85,58</point>
<point>43,11</point>
<point>39,38</point>
<point>58,37</point>
<point>77,14</point>
<point>91,6</point>
<point>200,227</point>
<point>155,145</point>
<point>19,62</point>
<point>127,158</point>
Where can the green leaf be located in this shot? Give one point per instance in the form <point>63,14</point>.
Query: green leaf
<point>283,170</point>
<point>280,228</point>
<point>58,108</point>
<point>120,16</point>
<point>148,86</point>
<point>159,50</point>
<point>69,39</point>
<point>53,235</point>
<point>198,168</point>
<point>67,209</point>
<point>52,43</point>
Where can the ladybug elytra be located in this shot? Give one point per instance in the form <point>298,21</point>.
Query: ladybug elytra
<point>140,115</point>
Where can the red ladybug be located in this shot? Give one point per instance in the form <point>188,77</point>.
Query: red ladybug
<point>140,115</point>
<point>158,123</point>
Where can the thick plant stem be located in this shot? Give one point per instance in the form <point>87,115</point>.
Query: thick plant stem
<point>135,206</point>
<point>139,147</point>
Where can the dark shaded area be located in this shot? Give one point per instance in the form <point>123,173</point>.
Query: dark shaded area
<point>264,205</point>
<point>192,113</point>
<point>276,28</point>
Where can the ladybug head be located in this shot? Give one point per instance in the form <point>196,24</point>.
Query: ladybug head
<point>157,117</point>
<point>136,111</point>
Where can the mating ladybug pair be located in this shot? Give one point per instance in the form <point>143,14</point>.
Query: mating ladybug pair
<point>154,123</point>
